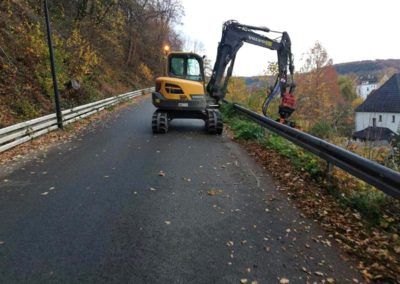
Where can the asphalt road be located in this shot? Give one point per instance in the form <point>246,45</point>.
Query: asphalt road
<point>96,209</point>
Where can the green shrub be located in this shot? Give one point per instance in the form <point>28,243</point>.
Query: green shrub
<point>24,108</point>
<point>323,129</point>
<point>368,202</point>
<point>247,130</point>
<point>227,111</point>
<point>299,158</point>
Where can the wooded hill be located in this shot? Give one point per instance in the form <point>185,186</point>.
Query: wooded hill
<point>108,46</point>
<point>365,67</point>
<point>368,70</point>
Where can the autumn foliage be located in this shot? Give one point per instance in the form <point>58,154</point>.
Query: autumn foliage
<point>108,46</point>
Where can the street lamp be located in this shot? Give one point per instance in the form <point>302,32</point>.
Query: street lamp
<point>166,49</point>
<point>53,68</point>
<point>166,52</point>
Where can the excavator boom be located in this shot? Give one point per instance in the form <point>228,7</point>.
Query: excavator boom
<point>233,36</point>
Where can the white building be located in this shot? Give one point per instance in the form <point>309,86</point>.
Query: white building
<point>366,88</point>
<point>378,117</point>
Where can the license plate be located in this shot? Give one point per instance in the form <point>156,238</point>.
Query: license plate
<point>183,104</point>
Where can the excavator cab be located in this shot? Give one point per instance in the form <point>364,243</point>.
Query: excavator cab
<point>181,93</point>
<point>182,86</point>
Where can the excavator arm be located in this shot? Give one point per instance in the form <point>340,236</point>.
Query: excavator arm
<point>234,35</point>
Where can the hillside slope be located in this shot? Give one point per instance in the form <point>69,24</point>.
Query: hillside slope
<point>107,46</point>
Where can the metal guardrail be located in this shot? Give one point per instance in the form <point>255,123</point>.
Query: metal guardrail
<point>14,135</point>
<point>385,179</point>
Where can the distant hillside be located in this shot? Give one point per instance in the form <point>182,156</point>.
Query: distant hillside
<point>366,70</point>
<point>258,81</point>
<point>371,70</point>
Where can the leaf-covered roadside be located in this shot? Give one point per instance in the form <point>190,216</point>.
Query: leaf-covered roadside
<point>362,220</point>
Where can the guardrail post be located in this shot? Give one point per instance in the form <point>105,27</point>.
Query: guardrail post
<point>329,177</point>
<point>53,68</point>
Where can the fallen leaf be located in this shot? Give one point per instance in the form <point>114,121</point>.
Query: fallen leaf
<point>319,273</point>
<point>44,193</point>
<point>152,189</point>
<point>243,281</point>
<point>2,242</point>
<point>212,192</point>
<point>366,274</point>
<point>168,222</point>
<point>330,280</point>
<point>284,281</point>
<point>161,174</point>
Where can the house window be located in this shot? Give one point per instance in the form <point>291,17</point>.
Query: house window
<point>374,122</point>
<point>380,118</point>
<point>393,118</point>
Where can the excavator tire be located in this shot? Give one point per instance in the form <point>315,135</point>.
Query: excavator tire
<point>214,123</point>
<point>159,122</point>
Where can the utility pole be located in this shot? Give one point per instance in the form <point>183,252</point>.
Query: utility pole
<point>53,68</point>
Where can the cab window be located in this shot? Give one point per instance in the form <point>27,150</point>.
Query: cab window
<point>177,66</point>
<point>186,67</point>
<point>193,69</point>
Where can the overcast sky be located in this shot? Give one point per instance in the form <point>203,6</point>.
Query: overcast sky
<point>350,30</point>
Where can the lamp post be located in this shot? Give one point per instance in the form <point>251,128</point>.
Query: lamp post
<point>53,68</point>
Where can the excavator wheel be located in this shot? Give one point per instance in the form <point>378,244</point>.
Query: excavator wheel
<point>159,122</point>
<point>214,123</point>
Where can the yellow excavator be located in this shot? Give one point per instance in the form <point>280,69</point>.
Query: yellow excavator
<point>182,92</point>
